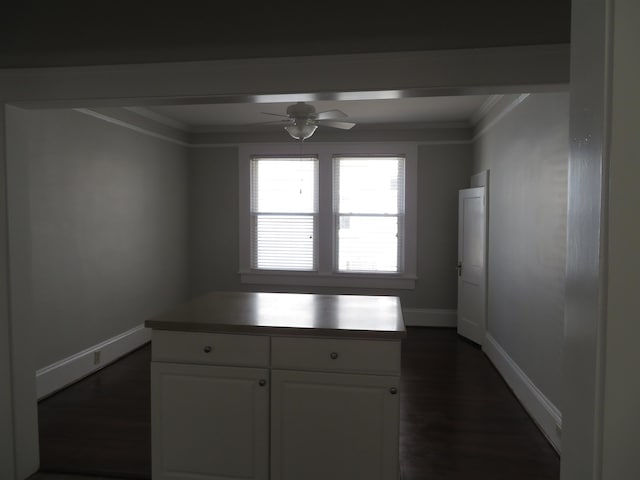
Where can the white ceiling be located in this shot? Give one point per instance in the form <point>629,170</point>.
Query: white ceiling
<point>239,116</point>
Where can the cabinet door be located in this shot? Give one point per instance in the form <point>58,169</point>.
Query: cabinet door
<point>209,422</point>
<point>334,426</point>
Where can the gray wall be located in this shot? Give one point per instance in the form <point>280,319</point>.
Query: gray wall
<point>124,225</point>
<point>213,220</point>
<point>108,227</point>
<point>213,205</point>
<point>526,152</point>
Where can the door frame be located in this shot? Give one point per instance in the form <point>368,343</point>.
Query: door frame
<point>472,71</point>
<point>480,179</point>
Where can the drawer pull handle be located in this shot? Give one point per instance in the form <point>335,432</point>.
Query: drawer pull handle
<point>333,355</point>
<point>262,382</point>
<point>207,349</point>
<point>393,390</point>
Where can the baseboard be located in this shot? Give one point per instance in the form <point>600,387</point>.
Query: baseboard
<point>429,317</point>
<point>71,369</point>
<point>543,412</point>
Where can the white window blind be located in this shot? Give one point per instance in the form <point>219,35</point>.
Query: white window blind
<point>369,213</point>
<point>284,207</point>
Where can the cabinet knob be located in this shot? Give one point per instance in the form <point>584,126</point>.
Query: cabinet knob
<point>262,382</point>
<point>207,349</point>
<point>393,390</point>
<point>333,355</point>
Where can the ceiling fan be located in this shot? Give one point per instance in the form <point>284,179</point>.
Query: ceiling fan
<point>302,120</point>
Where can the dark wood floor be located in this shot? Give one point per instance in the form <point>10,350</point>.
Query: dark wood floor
<point>101,425</point>
<point>459,420</point>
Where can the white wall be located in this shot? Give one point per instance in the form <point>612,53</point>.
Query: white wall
<point>108,224</point>
<point>526,151</point>
<point>621,420</point>
<point>602,390</point>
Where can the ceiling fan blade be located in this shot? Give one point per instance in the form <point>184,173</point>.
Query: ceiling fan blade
<point>284,121</point>
<point>330,114</point>
<point>275,114</point>
<point>334,124</point>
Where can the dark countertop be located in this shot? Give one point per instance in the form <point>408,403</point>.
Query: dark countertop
<point>353,316</point>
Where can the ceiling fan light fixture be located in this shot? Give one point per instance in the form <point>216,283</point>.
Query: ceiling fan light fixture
<point>300,131</point>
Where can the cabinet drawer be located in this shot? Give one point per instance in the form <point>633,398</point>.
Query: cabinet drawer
<point>337,355</point>
<point>210,348</point>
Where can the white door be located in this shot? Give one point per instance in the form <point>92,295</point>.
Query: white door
<point>472,263</point>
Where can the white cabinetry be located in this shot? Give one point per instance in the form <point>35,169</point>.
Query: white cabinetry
<point>333,425</point>
<point>243,406</point>
<point>209,422</point>
<point>334,409</point>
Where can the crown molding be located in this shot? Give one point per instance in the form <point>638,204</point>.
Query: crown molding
<point>485,108</point>
<point>430,133</point>
<point>497,111</point>
<point>375,127</point>
<point>162,119</point>
<point>146,130</point>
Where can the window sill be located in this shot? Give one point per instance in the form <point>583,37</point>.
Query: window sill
<point>313,279</point>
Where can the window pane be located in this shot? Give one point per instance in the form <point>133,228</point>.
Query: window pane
<point>284,242</point>
<point>369,210</point>
<point>370,185</point>
<point>367,244</point>
<point>283,185</point>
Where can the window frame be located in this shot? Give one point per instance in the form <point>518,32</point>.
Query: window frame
<point>326,274</point>
<point>337,214</point>
<point>255,214</point>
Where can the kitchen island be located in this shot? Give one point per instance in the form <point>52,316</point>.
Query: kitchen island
<point>277,386</point>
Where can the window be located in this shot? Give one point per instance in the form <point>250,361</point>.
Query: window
<point>369,208</point>
<point>284,205</point>
<point>331,215</point>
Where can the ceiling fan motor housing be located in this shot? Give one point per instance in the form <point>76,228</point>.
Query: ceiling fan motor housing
<point>301,110</point>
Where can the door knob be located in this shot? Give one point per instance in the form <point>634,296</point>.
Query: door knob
<point>459,267</point>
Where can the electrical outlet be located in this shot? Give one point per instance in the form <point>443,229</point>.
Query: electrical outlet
<point>96,357</point>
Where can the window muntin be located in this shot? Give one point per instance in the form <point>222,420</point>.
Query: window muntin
<point>369,213</point>
<point>284,207</point>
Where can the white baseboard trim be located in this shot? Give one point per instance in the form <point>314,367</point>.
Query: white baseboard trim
<point>429,317</point>
<point>543,412</point>
<point>71,369</point>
